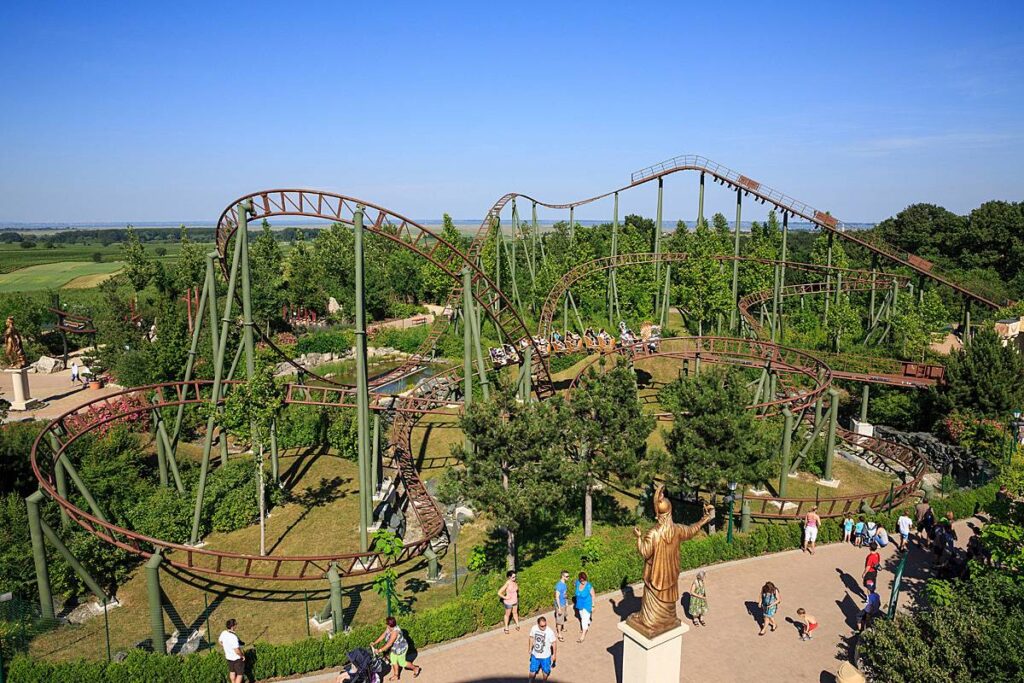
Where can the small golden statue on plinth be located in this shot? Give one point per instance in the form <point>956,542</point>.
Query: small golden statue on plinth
<point>13,348</point>
<point>659,547</point>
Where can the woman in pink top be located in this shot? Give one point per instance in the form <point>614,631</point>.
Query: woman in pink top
<point>811,523</point>
<point>509,594</point>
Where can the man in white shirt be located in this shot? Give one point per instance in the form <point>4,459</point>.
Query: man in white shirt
<point>233,652</point>
<point>543,649</point>
<point>903,524</point>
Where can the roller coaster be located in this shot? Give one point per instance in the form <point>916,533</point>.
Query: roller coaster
<point>796,384</point>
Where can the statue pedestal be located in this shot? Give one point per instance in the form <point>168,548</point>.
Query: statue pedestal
<point>22,396</point>
<point>651,660</point>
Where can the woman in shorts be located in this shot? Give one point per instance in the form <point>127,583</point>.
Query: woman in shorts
<point>509,594</point>
<point>396,646</point>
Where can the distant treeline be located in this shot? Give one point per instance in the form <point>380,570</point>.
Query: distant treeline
<point>107,236</point>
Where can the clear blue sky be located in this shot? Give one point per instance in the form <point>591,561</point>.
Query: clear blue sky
<point>167,111</point>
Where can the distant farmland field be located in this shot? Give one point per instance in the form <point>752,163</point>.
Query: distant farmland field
<point>76,274</point>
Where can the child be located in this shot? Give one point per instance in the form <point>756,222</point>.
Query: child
<point>870,530</point>
<point>858,531</point>
<point>807,623</point>
<point>847,529</point>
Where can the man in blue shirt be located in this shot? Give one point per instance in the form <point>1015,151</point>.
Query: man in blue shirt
<point>561,604</point>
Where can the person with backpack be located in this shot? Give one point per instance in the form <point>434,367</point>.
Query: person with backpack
<point>396,645</point>
<point>871,564</point>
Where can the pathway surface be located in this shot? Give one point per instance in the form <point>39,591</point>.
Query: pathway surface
<point>728,649</point>
<point>57,392</point>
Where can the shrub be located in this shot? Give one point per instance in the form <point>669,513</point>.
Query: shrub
<point>326,341</point>
<point>407,341</point>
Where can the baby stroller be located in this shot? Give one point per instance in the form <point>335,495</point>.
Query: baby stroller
<point>364,666</point>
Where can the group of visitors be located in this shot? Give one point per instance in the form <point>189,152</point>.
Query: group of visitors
<point>543,639</point>
<point>806,623</point>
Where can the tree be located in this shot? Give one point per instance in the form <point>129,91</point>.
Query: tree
<point>138,266</point>
<point>190,270</point>
<point>249,413</point>
<point>843,322</point>
<point>605,430</point>
<point>819,252</point>
<point>266,269</point>
<point>435,282</point>
<point>924,229</point>
<point>984,378</point>
<point>516,470</point>
<point>703,289</point>
<point>304,275</point>
<point>714,437</point>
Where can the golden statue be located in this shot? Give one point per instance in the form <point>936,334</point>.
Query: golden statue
<point>659,547</point>
<point>12,346</point>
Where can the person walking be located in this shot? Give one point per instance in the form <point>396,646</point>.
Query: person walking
<point>396,645</point>
<point>807,622</point>
<point>561,604</point>
<point>770,602</point>
<point>698,599</point>
<point>904,523</point>
<point>925,518</point>
<point>74,372</point>
<point>232,652</point>
<point>543,649</point>
<point>509,594</point>
<point>584,604</point>
<point>871,564</point>
<point>872,607</point>
<point>811,523</point>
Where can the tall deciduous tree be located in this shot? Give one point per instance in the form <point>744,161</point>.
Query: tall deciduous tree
<point>266,268</point>
<point>714,438</point>
<point>605,431</point>
<point>517,471</point>
<point>703,289</point>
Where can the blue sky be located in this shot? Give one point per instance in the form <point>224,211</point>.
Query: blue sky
<point>167,111</point>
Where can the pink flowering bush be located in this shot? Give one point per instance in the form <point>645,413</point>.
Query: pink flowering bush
<point>135,422</point>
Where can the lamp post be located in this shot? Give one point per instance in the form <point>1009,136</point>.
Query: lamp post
<point>732,499</point>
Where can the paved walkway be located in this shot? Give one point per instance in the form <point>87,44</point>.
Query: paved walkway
<point>826,584</point>
<point>58,393</point>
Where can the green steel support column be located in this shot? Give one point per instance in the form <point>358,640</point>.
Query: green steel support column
<point>192,351</point>
<point>565,315</point>
<point>247,338</point>
<point>830,444</point>
<point>375,454</point>
<point>498,242</point>
<point>539,237</point>
<point>62,489</point>
<point>575,311</point>
<point>700,201</point>
<point>828,273</point>
<point>736,263</point>
<point>666,295</point>
<point>696,364</point>
<point>481,368</point>
<point>864,394</point>
<point>362,387</point>
<point>218,374</point>
<point>156,610</point>
<point>967,322</point>
<point>161,459</point>
<point>572,225</point>
<point>275,463</point>
<point>77,480</point>
<point>611,271</point>
<point>871,305</point>
<point>787,449</point>
<point>745,517</point>
<point>527,376</point>
<point>72,561</point>
<point>773,380</point>
<point>172,462</point>
<point>839,284</point>
<point>337,615</point>
<point>819,405</point>
<point>39,555</point>
<point>657,246</point>
<point>467,343</point>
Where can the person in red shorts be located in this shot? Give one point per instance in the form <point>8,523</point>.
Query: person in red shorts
<point>807,622</point>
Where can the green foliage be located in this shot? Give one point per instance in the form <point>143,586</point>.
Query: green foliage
<point>703,288</point>
<point>564,362</point>
<point>343,433</point>
<point>516,471</point>
<point>842,324</point>
<point>592,551</point>
<point>406,341</point>
<point>984,378</point>
<point>139,268</point>
<point>231,500</point>
<point>334,340</point>
<point>972,632</point>
<point>714,438</point>
<point>266,268</point>
<point>17,573</point>
<point>15,444</point>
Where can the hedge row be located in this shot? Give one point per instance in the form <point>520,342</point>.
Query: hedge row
<point>478,608</point>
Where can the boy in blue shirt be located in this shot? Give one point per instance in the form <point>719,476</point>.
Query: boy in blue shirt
<point>858,531</point>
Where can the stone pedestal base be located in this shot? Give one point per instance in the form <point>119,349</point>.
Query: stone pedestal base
<point>651,660</point>
<point>830,483</point>
<point>22,399</point>
<point>863,428</point>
